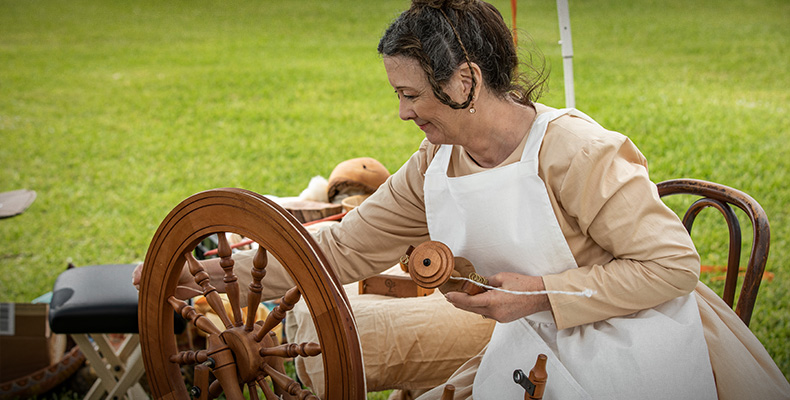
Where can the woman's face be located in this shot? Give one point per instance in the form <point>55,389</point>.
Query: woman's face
<point>440,123</point>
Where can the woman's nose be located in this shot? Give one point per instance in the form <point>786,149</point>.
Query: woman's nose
<point>405,111</point>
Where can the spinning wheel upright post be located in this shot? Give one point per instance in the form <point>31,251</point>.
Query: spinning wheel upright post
<point>243,352</point>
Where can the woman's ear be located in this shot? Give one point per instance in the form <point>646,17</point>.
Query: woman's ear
<point>461,82</point>
<point>466,73</point>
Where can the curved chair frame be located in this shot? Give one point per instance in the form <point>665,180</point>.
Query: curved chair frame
<point>721,197</point>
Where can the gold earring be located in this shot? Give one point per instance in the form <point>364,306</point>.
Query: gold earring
<point>472,108</point>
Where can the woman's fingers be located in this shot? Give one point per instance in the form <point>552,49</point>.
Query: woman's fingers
<point>502,306</point>
<point>136,275</point>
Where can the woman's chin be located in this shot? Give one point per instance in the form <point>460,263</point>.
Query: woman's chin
<point>434,139</point>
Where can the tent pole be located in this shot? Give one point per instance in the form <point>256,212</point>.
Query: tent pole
<point>567,51</point>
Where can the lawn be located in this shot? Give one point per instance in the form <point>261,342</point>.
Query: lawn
<point>113,112</point>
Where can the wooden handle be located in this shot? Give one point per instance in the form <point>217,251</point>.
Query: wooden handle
<point>538,376</point>
<point>534,384</point>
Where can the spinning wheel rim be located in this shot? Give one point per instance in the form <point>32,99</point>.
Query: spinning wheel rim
<point>260,219</point>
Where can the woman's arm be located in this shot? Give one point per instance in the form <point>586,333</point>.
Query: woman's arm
<point>368,240</point>
<point>631,249</point>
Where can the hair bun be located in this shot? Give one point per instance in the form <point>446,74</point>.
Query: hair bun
<point>442,4</point>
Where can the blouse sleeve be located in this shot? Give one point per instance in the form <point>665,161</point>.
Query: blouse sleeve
<point>370,239</point>
<point>647,257</point>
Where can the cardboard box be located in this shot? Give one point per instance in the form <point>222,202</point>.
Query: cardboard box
<point>24,339</point>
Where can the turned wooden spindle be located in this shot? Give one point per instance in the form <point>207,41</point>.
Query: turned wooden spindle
<point>287,303</point>
<point>534,384</point>
<point>258,271</point>
<point>268,393</point>
<point>209,291</point>
<point>231,281</point>
<point>190,314</point>
<point>287,384</point>
<point>252,389</point>
<point>289,350</point>
<point>189,357</point>
<point>431,264</point>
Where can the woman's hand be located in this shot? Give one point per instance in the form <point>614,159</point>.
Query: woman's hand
<point>505,307</point>
<point>187,288</point>
<point>137,275</point>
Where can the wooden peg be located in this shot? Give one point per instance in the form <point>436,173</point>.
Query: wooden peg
<point>535,383</point>
<point>448,393</point>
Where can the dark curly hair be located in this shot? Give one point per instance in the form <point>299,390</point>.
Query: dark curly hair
<point>443,34</point>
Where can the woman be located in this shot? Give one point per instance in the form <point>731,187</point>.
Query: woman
<point>539,198</point>
<point>495,152</point>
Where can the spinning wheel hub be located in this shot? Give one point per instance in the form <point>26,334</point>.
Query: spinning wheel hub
<point>246,351</point>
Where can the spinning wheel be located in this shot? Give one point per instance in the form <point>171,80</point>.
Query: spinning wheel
<point>243,352</point>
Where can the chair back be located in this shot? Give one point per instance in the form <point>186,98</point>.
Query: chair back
<point>721,197</point>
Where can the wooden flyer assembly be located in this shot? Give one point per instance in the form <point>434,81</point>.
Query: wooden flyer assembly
<point>432,265</point>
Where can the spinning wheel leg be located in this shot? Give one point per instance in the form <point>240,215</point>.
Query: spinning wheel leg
<point>243,352</point>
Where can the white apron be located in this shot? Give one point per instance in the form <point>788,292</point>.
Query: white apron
<point>502,221</point>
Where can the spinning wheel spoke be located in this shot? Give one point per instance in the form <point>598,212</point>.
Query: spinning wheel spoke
<point>287,384</point>
<point>267,390</point>
<point>189,357</point>
<point>230,279</point>
<point>289,350</point>
<point>277,315</point>
<point>190,314</point>
<point>252,389</point>
<point>214,389</point>
<point>254,297</point>
<point>209,291</point>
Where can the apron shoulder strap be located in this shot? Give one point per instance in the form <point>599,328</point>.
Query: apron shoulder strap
<point>440,161</point>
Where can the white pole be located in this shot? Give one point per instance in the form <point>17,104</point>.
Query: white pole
<point>567,51</point>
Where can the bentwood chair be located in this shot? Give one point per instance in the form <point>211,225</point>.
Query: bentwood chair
<point>722,197</point>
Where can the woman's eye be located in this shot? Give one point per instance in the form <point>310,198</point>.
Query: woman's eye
<point>405,96</point>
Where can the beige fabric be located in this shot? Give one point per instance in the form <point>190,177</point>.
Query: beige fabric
<point>407,343</point>
<point>630,248</point>
<point>741,365</point>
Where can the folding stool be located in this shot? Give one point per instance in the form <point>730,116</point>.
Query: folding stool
<point>92,301</point>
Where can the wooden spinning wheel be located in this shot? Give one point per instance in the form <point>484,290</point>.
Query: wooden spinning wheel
<point>243,352</point>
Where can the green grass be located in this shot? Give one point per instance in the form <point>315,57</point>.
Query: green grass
<point>113,112</point>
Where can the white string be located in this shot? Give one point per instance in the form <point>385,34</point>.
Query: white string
<point>584,293</point>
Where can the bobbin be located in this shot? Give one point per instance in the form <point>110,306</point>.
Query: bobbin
<point>431,264</point>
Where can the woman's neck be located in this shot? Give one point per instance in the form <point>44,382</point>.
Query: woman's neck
<point>496,130</point>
